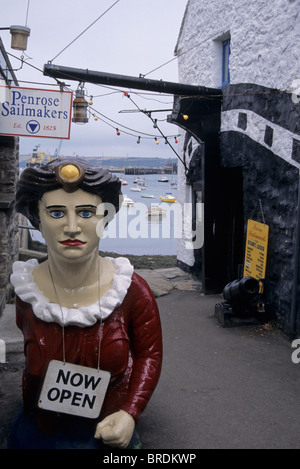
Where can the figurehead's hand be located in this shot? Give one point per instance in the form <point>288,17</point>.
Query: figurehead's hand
<point>116,430</point>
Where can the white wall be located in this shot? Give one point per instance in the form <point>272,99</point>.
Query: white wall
<point>265,50</point>
<point>265,40</point>
<point>184,196</point>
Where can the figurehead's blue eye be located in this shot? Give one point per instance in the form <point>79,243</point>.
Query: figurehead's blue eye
<point>86,214</point>
<point>56,213</point>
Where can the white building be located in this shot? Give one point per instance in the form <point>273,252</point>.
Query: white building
<point>264,39</point>
<point>249,52</point>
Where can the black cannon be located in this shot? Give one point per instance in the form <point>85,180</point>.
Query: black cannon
<point>241,291</point>
<point>242,300</point>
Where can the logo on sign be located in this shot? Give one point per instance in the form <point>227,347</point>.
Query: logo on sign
<point>74,389</point>
<point>33,127</point>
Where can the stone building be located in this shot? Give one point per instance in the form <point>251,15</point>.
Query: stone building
<point>9,169</point>
<point>241,144</point>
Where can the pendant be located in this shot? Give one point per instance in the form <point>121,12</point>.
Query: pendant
<point>74,389</point>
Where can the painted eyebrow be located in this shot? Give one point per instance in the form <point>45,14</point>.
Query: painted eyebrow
<point>77,206</point>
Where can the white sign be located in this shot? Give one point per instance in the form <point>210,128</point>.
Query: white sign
<point>74,389</point>
<point>30,112</point>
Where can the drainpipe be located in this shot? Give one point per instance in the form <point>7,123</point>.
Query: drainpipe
<point>296,269</point>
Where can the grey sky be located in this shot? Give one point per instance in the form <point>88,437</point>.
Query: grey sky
<point>134,37</point>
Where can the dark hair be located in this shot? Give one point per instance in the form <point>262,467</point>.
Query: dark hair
<point>35,182</point>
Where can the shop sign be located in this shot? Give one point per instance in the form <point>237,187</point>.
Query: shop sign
<point>256,250</point>
<point>73,389</point>
<point>31,112</point>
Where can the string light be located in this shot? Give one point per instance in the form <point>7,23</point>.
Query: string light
<point>185,117</point>
<point>155,124</point>
<point>139,137</point>
<point>91,100</point>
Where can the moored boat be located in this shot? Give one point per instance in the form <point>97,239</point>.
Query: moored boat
<point>127,201</point>
<point>163,179</point>
<point>168,197</point>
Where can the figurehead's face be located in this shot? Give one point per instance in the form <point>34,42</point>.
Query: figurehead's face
<point>69,223</point>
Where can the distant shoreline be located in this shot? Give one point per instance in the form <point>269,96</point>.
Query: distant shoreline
<point>139,262</point>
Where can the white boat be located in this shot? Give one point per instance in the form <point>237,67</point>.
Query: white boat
<point>163,179</point>
<point>168,197</point>
<point>142,183</point>
<point>148,196</point>
<point>136,189</point>
<point>138,180</point>
<point>123,182</point>
<point>127,202</point>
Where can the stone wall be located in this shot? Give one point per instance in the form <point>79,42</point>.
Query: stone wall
<point>263,139</point>
<point>9,168</point>
<point>264,37</point>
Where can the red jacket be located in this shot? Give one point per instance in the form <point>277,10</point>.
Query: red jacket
<point>131,350</point>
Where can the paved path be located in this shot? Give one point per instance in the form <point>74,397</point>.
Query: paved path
<point>219,388</point>
<point>163,281</point>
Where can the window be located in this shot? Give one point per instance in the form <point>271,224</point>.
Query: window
<point>225,62</point>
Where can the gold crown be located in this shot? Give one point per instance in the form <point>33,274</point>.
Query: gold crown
<point>69,175</point>
<point>70,172</point>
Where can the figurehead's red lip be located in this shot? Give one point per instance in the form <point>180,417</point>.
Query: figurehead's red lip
<point>72,242</point>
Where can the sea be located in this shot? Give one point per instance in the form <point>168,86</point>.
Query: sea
<point>132,231</point>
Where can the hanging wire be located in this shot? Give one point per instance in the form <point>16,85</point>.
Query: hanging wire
<point>36,68</point>
<point>97,19</point>
<point>154,121</point>
<point>137,132</point>
<point>37,83</point>
<point>178,55</point>
<point>27,12</point>
<point>117,125</point>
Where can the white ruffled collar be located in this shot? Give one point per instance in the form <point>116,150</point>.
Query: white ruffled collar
<point>85,316</point>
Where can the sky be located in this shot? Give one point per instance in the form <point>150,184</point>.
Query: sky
<point>134,37</point>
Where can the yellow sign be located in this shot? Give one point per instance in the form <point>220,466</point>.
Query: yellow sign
<point>256,250</point>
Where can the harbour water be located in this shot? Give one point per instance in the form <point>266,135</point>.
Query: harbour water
<point>132,231</point>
